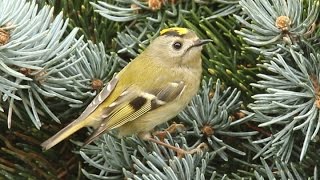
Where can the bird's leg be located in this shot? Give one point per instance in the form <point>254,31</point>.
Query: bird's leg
<point>171,129</point>
<point>146,136</point>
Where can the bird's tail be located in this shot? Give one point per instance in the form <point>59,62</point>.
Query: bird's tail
<point>64,133</point>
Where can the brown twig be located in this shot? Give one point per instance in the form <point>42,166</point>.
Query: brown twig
<point>262,131</point>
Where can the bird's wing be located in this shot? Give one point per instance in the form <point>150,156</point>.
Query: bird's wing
<point>132,104</point>
<point>105,92</point>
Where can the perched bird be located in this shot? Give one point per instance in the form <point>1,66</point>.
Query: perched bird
<point>150,90</point>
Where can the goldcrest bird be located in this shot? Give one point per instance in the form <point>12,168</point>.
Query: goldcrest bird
<point>150,90</point>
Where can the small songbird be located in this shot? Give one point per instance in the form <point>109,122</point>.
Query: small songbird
<point>150,90</point>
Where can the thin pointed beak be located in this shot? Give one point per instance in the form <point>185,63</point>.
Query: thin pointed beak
<point>201,42</point>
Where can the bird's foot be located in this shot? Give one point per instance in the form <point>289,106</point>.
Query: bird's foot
<point>171,129</point>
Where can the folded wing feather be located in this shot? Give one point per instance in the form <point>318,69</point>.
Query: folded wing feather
<point>134,103</point>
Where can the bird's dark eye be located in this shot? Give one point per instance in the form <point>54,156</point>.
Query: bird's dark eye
<point>177,45</point>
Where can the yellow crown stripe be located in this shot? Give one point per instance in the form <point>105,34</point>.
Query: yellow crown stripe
<point>180,31</point>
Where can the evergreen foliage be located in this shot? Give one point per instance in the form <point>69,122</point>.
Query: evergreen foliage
<point>256,115</point>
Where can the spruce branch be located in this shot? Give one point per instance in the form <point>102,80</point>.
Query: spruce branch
<point>225,58</point>
<point>134,159</point>
<point>275,22</point>
<point>132,42</point>
<point>188,167</point>
<point>274,168</point>
<point>225,8</point>
<point>91,25</point>
<point>31,57</point>
<point>153,11</point>
<point>90,68</point>
<point>277,169</point>
<point>290,102</point>
<point>211,117</point>
<point>109,156</point>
